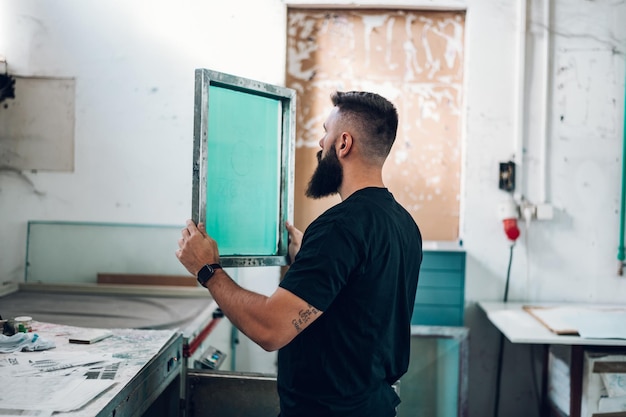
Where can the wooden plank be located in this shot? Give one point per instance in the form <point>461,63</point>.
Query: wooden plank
<point>147,279</point>
<point>609,367</point>
<point>617,414</point>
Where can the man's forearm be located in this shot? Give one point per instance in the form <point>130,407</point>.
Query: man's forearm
<point>247,310</point>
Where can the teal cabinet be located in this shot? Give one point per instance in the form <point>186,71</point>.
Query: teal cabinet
<point>440,299</point>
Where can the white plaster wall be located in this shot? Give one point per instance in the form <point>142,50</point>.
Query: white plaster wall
<point>134,61</point>
<point>574,256</point>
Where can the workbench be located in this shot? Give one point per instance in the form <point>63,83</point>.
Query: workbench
<point>138,371</point>
<point>190,313</point>
<point>514,322</point>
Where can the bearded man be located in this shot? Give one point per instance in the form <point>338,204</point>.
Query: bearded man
<point>340,318</point>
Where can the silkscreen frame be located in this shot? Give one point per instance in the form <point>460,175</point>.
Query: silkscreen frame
<point>203,206</point>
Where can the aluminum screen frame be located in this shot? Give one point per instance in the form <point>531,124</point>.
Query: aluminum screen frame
<point>204,80</point>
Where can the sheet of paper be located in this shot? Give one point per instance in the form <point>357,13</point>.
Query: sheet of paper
<point>603,324</point>
<point>588,322</point>
<point>53,364</point>
<point>55,393</point>
<point>25,413</point>
<point>615,384</point>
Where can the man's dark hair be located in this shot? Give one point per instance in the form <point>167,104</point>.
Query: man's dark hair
<point>374,116</point>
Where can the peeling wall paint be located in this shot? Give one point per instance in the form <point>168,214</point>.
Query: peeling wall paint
<point>415,59</point>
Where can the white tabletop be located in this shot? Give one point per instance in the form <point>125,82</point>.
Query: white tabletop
<point>520,327</point>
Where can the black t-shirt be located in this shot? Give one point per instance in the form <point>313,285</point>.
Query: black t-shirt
<point>359,264</point>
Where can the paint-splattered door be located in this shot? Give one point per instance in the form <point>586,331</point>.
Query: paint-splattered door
<point>413,58</point>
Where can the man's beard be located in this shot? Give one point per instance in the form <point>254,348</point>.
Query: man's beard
<point>327,177</point>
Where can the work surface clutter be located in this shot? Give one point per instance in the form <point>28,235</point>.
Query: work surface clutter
<point>48,368</point>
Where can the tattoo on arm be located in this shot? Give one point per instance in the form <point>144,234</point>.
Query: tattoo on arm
<point>304,316</point>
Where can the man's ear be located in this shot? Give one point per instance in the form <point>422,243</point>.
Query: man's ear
<point>344,144</point>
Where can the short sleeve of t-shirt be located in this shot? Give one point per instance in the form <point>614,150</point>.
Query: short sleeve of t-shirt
<point>327,257</point>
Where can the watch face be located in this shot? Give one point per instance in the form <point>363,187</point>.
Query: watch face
<point>205,274</point>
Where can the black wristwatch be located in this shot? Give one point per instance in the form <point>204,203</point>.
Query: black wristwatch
<point>207,271</point>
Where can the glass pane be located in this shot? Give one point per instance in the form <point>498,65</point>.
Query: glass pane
<point>433,384</point>
<point>74,252</point>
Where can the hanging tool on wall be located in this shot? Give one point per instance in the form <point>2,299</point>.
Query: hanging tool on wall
<point>508,209</point>
<point>7,83</point>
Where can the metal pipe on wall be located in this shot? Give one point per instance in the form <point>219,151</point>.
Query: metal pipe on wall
<point>520,95</point>
<point>545,114</point>
<point>620,250</point>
